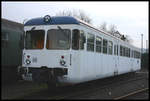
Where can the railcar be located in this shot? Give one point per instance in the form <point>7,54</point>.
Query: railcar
<point>11,51</point>
<point>65,50</point>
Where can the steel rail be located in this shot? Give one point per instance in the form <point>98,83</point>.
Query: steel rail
<point>102,85</point>
<point>130,94</point>
<point>87,91</point>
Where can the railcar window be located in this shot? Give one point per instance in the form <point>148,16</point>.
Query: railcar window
<point>90,42</point>
<point>58,39</point>
<point>132,54</point>
<point>129,52</point>
<point>5,36</point>
<point>34,39</point>
<point>136,54</point>
<point>82,39</point>
<point>117,49</point>
<point>139,56</point>
<point>105,46</point>
<point>126,51</point>
<point>4,39</point>
<point>75,39</point>
<point>121,50</point>
<point>110,47</point>
<point>98,44</point>
<point>78,39</point>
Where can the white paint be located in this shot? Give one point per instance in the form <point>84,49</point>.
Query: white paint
<point>85,65</point>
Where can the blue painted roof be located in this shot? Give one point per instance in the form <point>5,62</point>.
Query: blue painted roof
<point>54,20</point>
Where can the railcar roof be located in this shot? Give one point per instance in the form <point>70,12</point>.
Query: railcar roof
<point>63,20</point>
<point>54,20</point>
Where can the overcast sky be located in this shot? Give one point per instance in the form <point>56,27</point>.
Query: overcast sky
<point>131,18</point>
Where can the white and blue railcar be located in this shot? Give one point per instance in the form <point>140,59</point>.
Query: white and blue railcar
<point>67,50</point>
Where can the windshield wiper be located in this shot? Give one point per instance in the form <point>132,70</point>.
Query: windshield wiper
<point>62,30</point>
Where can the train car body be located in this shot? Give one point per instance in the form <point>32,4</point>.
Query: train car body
<point>71,51</point>
<point>11,52</point>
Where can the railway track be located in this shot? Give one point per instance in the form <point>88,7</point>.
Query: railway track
<point>86,88</point>
<point>131,94</point>
<point>88,91</point>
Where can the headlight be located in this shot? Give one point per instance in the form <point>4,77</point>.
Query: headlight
<point>47,18</point>
<point>28,61</point>
<point>62,62</point>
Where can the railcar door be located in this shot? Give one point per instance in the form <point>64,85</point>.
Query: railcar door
<point>77,53</point>
<point>98,57</point>
<point>131,59</point>
<point>116,59</point>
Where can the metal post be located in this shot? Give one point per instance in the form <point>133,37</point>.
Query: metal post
<point>147,46</point>
<point>141,43</point>
<point>141,48</point>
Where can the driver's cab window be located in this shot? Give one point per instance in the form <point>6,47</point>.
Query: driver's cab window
<point>78,39</point>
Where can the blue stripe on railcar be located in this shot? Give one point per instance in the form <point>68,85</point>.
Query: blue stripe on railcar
<point>54,20</point>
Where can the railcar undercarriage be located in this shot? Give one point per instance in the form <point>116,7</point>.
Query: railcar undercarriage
<point>45,74</point>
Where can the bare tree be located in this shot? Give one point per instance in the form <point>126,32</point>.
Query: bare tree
<point>103,26</point>
<point>128,39</point>
<point>84,17</point>
<point>118,34</point>
<point>112,29</point>
<point>79,14</point>
<point>64,13</point>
